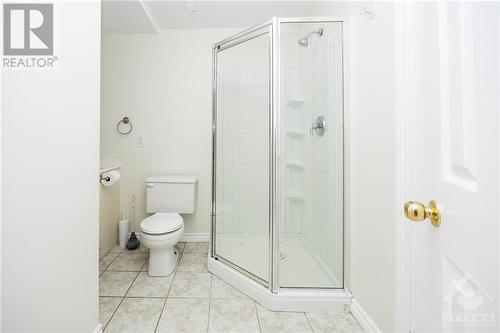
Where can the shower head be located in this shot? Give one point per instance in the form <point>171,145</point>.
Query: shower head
<point>305,41</point>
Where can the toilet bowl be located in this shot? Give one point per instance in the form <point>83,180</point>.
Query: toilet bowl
<point>160,232</point>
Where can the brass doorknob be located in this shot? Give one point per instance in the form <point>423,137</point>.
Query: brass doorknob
<point>416,211</point>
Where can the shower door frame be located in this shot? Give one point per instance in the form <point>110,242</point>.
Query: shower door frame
<point>273,26</point>
<point>227,43</point>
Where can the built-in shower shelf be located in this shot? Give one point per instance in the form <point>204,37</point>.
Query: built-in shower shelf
<point>295,133</point>
<point>295,196</point>
<point>294,164</point>
<point>295,102</point>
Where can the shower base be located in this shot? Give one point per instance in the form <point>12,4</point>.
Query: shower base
<point>295,300</point>
<point>299,267</point>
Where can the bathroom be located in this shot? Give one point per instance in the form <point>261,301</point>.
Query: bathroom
<point>250,166</point>
<point>161,82</point>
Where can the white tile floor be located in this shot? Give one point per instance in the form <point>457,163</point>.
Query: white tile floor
<point>191,300</point>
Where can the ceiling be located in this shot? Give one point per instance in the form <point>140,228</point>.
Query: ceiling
<point>148,16</point>
<point>220,14</point>
<point>123,17</point>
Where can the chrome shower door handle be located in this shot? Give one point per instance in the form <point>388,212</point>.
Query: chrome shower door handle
<point>319,126</point>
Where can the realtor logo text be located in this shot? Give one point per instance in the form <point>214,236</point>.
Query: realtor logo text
<point>28,35</point>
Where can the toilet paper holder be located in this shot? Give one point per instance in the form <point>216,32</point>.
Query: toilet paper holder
<point>108,178</point>
<point>101,178</point>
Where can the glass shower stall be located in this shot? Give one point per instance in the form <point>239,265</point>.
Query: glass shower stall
<point>277,187</point>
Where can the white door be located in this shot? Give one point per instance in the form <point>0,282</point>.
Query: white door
<point>455,71</point>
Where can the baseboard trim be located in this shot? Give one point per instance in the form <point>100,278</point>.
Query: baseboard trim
<point>364,320</point>
<point>98,329</point>
<point>195,237</point>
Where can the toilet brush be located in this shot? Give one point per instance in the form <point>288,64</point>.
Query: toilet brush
<point>133,242</point>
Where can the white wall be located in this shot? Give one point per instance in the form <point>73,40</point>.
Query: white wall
<point>50,151</point>
<point>371,247</point>
<point>373,133</point>
<point>162,82</point>
<point>109,212</point>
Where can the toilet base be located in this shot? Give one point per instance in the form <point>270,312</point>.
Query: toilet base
<point>162,259</point>
<point>161,262</point>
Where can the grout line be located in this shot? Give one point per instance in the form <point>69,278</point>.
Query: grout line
<point>186,243</point>
<point>130,271</point>
<point>112,261</point>
<point>123,297</point>
<point>162,309</point>
<point>153,297</point>
<point>188,298</point>
<point>233,298</point>
<point>113,314</point>
<point>257,315</point>
<point>144,265</point>
<point>120,270</point>
<point>145,262</point>
<point>210,301</point>
<point>131,284</point>
<point>307,318</point>
<point>193,298</point>
<point>177,262</point>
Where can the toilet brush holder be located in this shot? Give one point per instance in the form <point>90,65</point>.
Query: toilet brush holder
<point>123,231</point>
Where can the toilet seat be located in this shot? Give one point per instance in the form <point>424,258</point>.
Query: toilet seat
<point>161,223</point>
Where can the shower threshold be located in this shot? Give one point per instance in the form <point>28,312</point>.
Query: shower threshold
<point>295,300</point>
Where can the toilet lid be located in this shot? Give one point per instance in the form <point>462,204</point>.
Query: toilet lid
<point>161,223</point>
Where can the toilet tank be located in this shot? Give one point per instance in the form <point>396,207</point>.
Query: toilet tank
<point>171,194</point>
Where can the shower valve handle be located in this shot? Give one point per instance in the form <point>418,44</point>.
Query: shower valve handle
<point>319,126</point>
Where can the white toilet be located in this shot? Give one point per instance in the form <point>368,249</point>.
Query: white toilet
<point>167,196</point>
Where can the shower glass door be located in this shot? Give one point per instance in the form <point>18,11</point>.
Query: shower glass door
<point>311,145</point>
<point>241,152</point>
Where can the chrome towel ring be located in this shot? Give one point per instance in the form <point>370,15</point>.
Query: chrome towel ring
<point>125,121</point>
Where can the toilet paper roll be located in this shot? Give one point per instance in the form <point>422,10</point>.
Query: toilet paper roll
<point>109,178</point>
